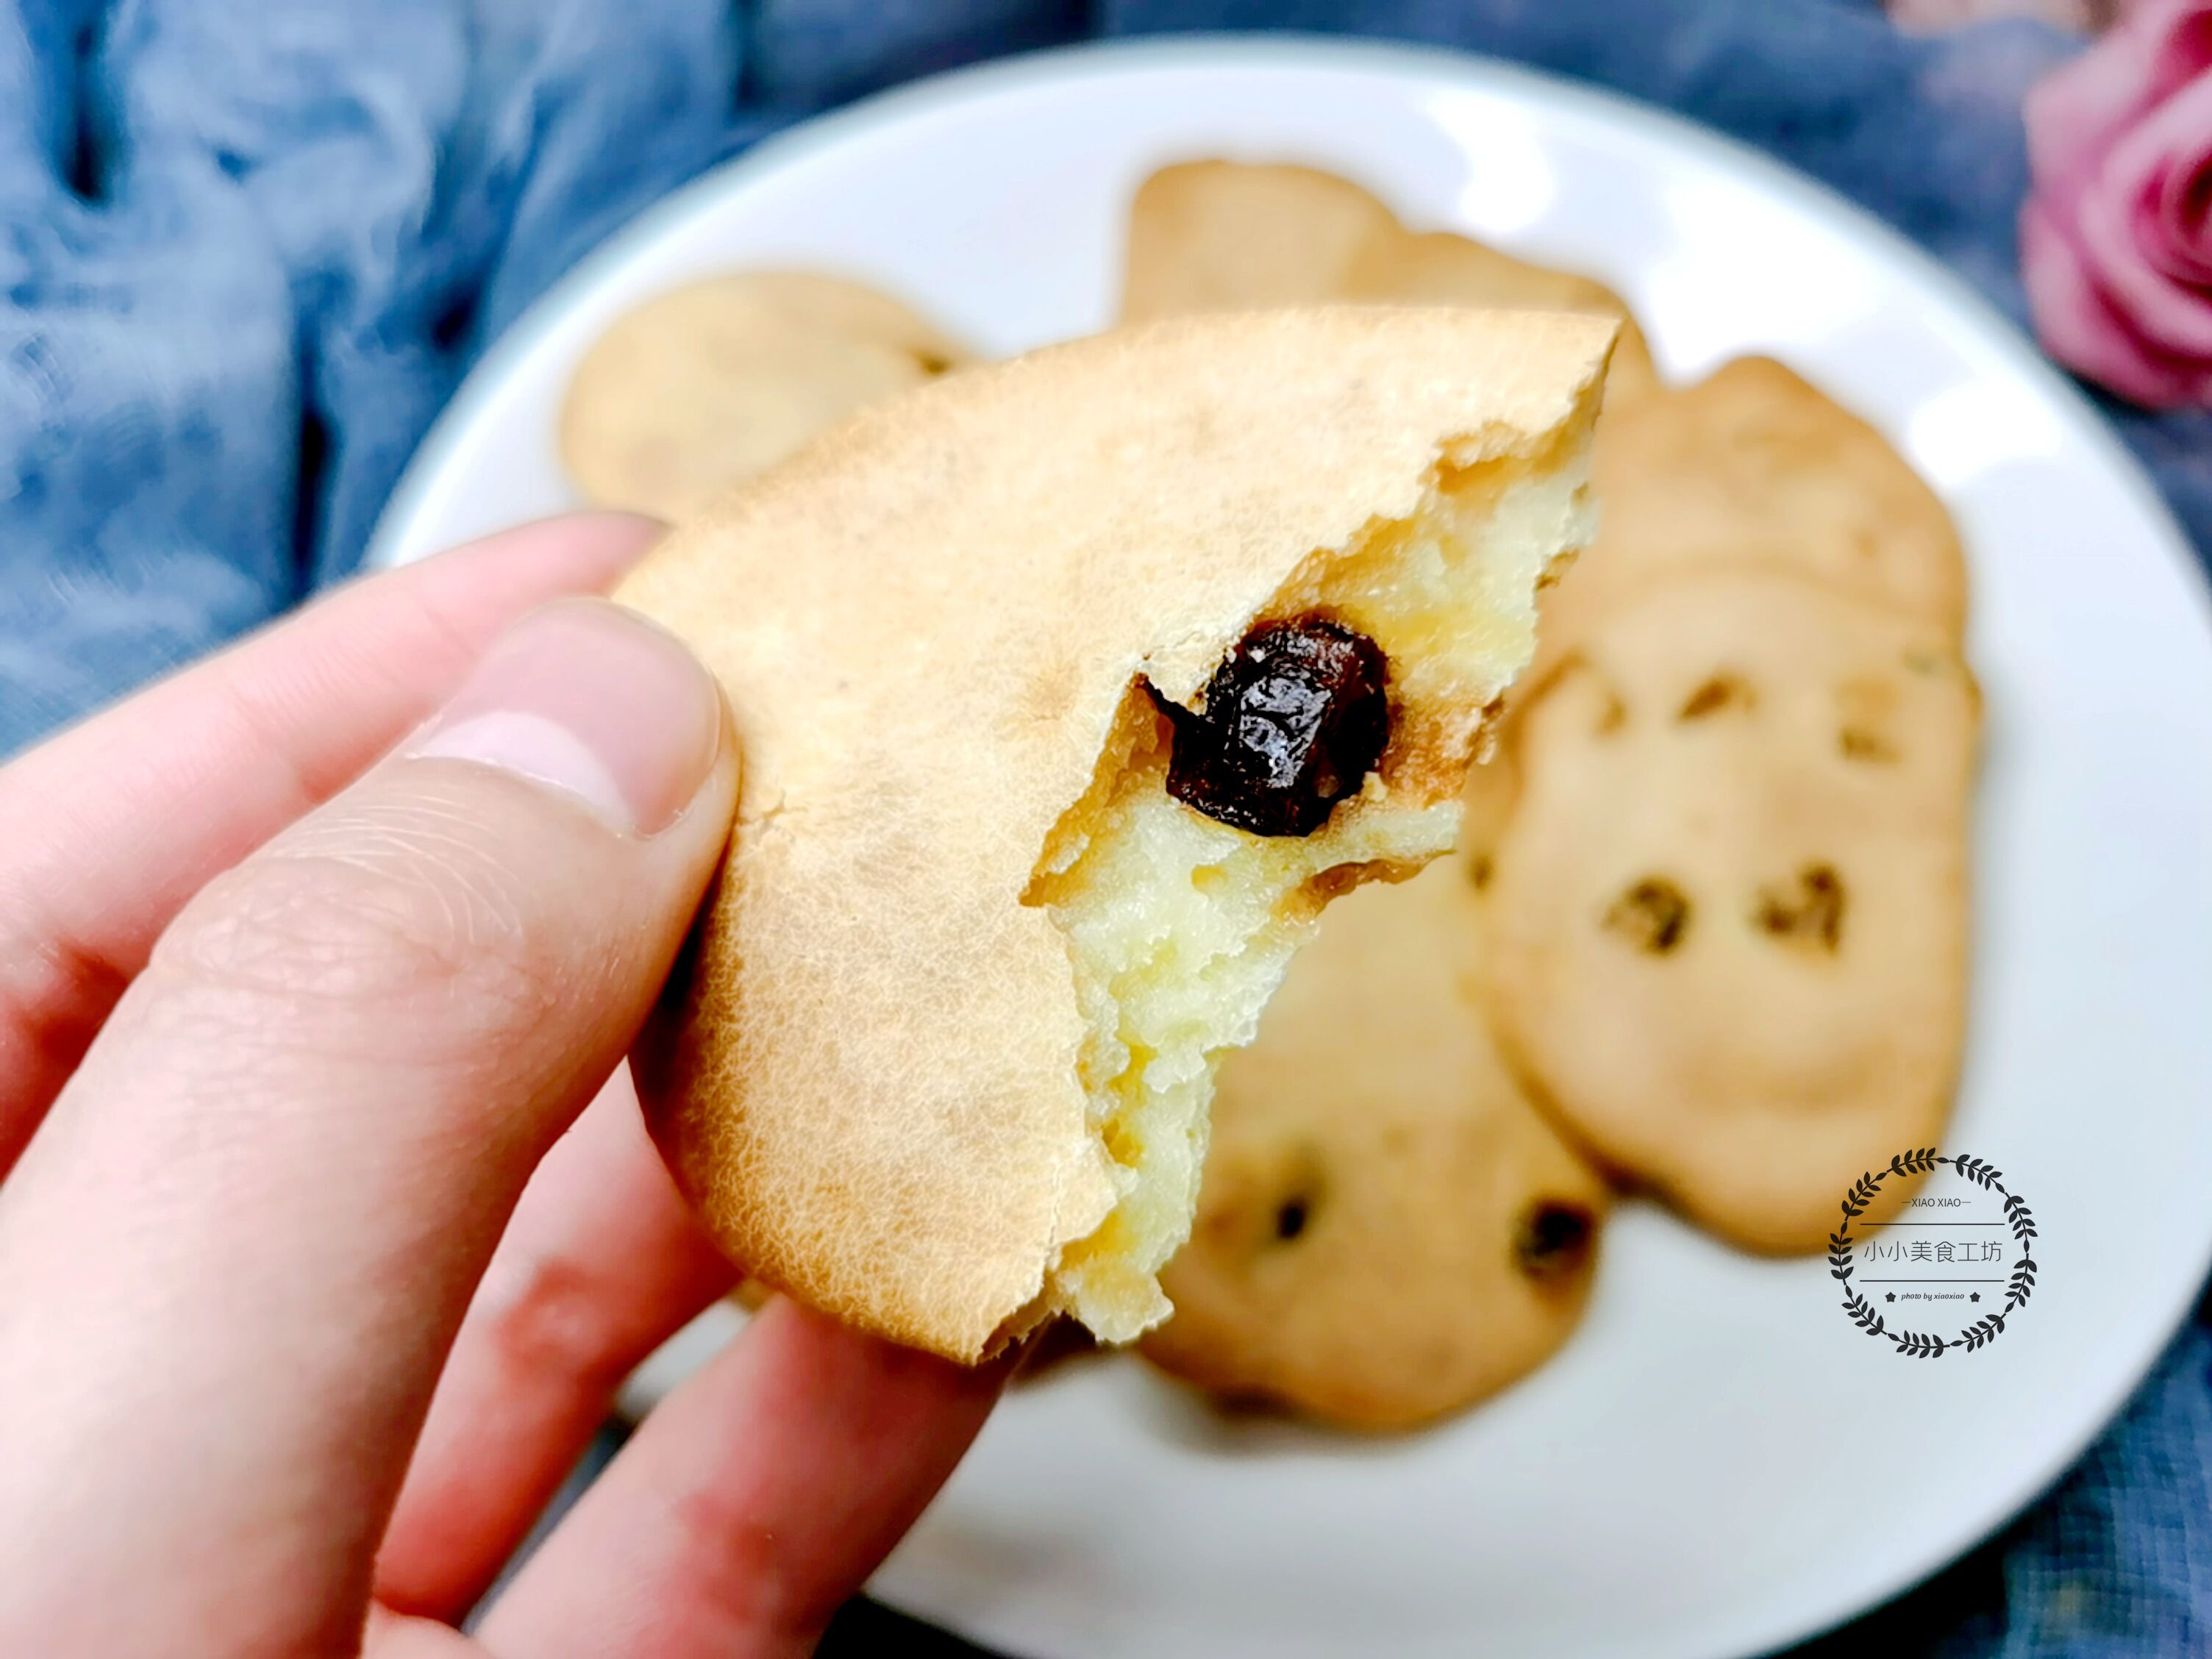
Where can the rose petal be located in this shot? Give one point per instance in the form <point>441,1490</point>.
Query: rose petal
<point>2079,108</point>
<point>2163,165</point>
<point>2185,207</point>
<point>2082,330</point>
<point>2175,318</point>
<point>2185,46</point>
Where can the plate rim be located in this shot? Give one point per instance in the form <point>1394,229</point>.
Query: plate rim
<point>1429,64</point>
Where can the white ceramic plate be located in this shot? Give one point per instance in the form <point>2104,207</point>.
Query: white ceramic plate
<point>1719,1462</point>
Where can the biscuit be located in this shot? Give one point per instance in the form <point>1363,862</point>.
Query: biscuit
<point>1229,235</point>
<point>1388,1231</point>
<point>938,1061</point>
<point>835,305</point>
<point>1753,466</point>
<point>1725,922</point>
<point>1441,268</point>
<point>706,385</point>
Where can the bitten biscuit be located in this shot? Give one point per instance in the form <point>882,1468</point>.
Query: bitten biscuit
<point>1068,691</point>
<point>1725,919</point>
<point>1388,1231</point>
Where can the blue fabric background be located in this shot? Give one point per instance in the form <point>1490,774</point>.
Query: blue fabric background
<point>248,249</point>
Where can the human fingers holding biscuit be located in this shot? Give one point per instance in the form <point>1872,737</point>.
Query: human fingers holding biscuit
<point>241,1242</point>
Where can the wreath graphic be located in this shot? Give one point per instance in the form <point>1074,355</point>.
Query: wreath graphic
<point>1919,1345</point>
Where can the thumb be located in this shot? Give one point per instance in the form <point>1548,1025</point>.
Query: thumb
<point>260,1206</point>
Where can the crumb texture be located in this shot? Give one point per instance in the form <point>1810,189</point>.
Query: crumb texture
<point>1180,927</point>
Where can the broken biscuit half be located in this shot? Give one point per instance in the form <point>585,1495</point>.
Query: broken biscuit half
<point>1069,690</point>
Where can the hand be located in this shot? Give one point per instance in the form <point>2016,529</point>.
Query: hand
<point>317,1272</point>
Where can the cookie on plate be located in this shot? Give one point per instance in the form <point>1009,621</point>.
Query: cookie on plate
<point>1228,235</point>
<point>1387,1229</point>
<point>1069,690</point>
<point>1754,466</point>
<point>705,385</point>
<point>1441,268</point>
<point>1233,236</point>
<point>1724,924</point>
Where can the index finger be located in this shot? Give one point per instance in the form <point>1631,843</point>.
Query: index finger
<point>754,1499</point>
<point>114,824</point>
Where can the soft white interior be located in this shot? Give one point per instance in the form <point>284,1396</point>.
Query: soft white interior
<point>1181,927</point>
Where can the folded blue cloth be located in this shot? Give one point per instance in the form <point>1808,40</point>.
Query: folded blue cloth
<point>246,250</point>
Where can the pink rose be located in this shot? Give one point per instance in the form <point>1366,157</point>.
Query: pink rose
<point>2116,239</point>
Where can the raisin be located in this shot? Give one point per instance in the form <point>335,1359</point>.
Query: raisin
<point>1813,914</point>
<point>1868,706</point>
<point>1722,692</point>
<point>1554,1240</point>
<point>1655,914</point>
<point>1859,744</point>
<point>1295,720</point>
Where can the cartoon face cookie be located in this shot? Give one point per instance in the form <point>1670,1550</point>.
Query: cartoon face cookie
<point>1725,922</point>
<point>707,385</point>
<point>1388,1231</point>
<point>1068,691</point>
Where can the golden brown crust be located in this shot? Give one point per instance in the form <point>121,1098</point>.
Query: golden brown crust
<point>1230,235</point>
<point>926,622</point>
<point>1440,268</point>
<point>1725,931</point>
<point>1375,1174</point>
<point>1754,468</point>
<point>702,387</point>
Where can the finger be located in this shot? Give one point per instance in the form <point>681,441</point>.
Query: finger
<point>402,1635</point>
<point>601,1265</point>
<point>113,825</point>
<point>760,1495</point>
<point>259,1207</point>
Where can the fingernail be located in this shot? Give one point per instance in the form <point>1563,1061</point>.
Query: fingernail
<point>592,700</point>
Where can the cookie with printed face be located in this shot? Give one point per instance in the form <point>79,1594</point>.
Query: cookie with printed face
<point>1725,918</point>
